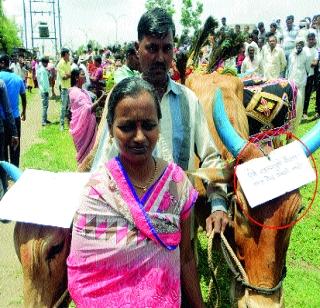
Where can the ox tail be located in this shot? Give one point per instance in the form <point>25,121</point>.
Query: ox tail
<point>228,135</point>
<point>13,172</point>
<point>312,140</point>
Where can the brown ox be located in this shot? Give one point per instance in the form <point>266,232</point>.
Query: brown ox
<point>261,251</point>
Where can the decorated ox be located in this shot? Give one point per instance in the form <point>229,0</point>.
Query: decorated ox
<point>261,251</point>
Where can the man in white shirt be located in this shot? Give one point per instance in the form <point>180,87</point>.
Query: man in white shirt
<point>289,36</point>
<point>19,68</point>
<point>312,63</point>
<point>297,72</point>
<point>273,59</point>
<point>252,61</point>
<point>184,129</point>
<point>316,29</point>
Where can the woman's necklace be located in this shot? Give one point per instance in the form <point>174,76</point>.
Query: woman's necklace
<point>145,187</point>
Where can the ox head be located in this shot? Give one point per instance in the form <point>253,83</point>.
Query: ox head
<point>42,251</point>
<point>261,251</point>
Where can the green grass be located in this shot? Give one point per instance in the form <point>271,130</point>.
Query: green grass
<point>56,153</point>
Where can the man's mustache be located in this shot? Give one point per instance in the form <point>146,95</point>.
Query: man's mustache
<point>158,65</point>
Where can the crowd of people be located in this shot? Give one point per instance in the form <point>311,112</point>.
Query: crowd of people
<point>291,51</point>
<point>132,239</point>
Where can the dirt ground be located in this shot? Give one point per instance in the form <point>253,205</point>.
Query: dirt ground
<point>11,289</point>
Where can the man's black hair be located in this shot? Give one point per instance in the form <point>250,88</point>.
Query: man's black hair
<point>260,24</point>
<point>311,35</point>
<point>4,59</point>
<point>156,22</point>
<point>255,32</point>
<point>273,24</point>
<point>44,60</point>
<point>268,34</point>
<point>64,51</point>
<point>130,50</point>
<point>290,17</point>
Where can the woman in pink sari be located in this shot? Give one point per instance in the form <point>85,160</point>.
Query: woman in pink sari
<point>131,234</point>
<point>83,124</point>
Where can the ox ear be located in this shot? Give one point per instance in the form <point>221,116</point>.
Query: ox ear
<point>13,172</point>
<point>215,175</point>
<point>312,140</point>
<point>230,138</point>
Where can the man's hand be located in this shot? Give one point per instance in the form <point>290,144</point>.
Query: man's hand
<point>14,142</point>
<point>218,221</point>
<point>23,116</point>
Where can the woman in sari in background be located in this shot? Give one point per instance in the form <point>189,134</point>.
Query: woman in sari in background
<point>83,125</point>
<point>131,234</point>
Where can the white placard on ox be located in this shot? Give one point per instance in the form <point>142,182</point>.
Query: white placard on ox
<point>43,197</point>
<point>263,179</point>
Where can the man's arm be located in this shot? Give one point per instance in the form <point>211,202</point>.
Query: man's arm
<point>210,157</point>
<point>189,275</point>
<point>24,105</point>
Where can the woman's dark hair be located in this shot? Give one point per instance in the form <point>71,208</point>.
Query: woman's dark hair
<point>130,87</point>
<point>156,22</point>
<point>75,73</point>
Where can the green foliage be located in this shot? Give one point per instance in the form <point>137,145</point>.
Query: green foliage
<point>8,33</point>
<point>190,17</point>
<point>165,4</point>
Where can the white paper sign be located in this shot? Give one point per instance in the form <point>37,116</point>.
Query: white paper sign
<point>264,179</point>
<point>44,197</point>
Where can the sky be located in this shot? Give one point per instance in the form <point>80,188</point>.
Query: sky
<point>109,20</point>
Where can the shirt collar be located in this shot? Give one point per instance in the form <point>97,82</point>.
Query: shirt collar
<point>173,87</point>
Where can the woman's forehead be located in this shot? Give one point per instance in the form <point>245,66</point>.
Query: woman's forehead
<point>136,106</point>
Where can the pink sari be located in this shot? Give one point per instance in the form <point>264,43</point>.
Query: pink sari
<point>83,122</point>
<point>125,250</point>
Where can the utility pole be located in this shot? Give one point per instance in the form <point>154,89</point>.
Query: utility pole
<point>25,24</point>
<point>43,24</point>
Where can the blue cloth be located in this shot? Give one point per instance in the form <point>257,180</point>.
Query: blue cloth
<point>15,87</point>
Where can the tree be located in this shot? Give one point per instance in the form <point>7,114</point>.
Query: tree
<point>190,17</point>
<point>165,4</point>
<point>8,33</point>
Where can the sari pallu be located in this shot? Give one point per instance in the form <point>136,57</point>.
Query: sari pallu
<point>83,124</point>
<point>124,249</point>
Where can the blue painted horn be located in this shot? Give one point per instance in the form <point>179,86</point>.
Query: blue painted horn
<point>230,138</point>
<point>13,172</point>
<point>312,140</point>
<point>234,143</point>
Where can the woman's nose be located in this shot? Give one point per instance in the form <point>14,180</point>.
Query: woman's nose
<point>139,137</point>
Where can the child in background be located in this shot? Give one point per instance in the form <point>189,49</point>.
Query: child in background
<point>30,83</point>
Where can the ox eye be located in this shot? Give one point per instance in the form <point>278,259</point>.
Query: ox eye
<point>54,250</point>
